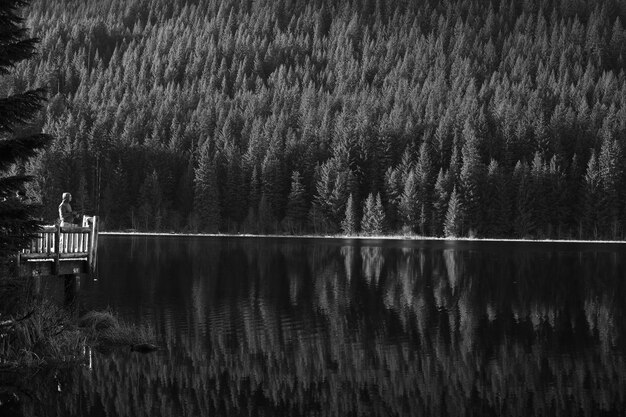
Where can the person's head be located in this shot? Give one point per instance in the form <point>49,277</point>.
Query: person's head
<point>67,197</point>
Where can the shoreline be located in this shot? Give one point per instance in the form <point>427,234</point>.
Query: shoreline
<point>347,237</point>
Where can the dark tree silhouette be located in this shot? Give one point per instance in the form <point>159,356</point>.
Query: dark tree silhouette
<point>18,140</point>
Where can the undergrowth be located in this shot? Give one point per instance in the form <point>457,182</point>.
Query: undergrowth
<point>104,328</point>
<point>35,332</point>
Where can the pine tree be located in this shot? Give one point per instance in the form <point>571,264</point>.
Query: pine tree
<point>616,44</point>
<point>373,222</point>
<point>424,173</point>
<point>349,223</point>
<point>392,193</point>
<point>255,193</point>
<point>556,192</point>
<point>471,181</point>
<point>235,195</point>
<point>453,223</point>
<point>322,204</point>
<point>266,218</point>
<point>573,198</point>
<point>380,224</point>
<point>339,197</point>
<point>17,217</point>
<point>333,187</point>
<point>184,191</point>
<point>592,199</point>
<point>368,211</point>
<point>497,213</point>
<point>440,206</point>
<point>409,203</point>
<point>116,196</point>
<point>523,218</point>
<point>274,182</point>
<point>151,207</point>
<point>296,203</point>
<point>538,189</point>
<point>206,196</point>
<point>610,170</point>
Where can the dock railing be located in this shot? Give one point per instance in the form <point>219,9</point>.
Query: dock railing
<point>56,243</point>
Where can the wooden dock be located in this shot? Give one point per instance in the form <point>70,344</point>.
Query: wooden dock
<point>61,251</point>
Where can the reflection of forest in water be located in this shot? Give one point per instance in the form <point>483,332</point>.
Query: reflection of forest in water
<point>296,327</point>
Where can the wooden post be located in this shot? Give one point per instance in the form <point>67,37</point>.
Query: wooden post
<point>93,243</point>
<point>57,249</point>
<point>36,285</point>
<point>70,293</point>
<point>89,252</point>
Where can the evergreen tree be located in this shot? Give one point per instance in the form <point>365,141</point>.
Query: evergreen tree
<point>349,223</point>
<point>116,196</point>
<point>523,218</point>
<point>296,203</point>
<point>538,188</point>
<point>592,199</point>
<point>339,197</point>
<point>274,183</point>
<point>333,187</point>
<point>556,192</point>
<point>235,193</point>
<point>267,221</point>
<point>440,207</point>
<point>497,212</point>
<point>611,174</point>
<point>452,226</point>
<point>373,221</point>
<point>471,181</point>
<point>322,203</point>
<point>392,193</point>
<point>151,210</point>
<point>251,222</point>
<point>424,173</point>
<point>184,191</point>
<point>573,197</point>
<point>409,203</point>
<point>17,216</point>
<point>206,196</point>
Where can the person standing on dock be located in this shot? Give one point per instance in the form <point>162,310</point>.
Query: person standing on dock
<point>66,215</point>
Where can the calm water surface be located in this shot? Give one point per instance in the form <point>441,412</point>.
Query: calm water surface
<point>355,328</point>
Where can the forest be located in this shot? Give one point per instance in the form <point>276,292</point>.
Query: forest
<point>455,118</point>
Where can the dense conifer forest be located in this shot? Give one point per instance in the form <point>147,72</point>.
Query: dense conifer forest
<point>456,118</point>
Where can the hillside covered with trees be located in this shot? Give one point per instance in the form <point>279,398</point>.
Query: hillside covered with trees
<point>461,118</point>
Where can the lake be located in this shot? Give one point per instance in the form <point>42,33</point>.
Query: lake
<point>331,327</point>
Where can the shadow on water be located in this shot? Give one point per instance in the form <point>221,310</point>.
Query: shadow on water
<point>331,327</point>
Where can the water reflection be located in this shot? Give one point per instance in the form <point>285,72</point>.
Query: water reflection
<point>307,327</point>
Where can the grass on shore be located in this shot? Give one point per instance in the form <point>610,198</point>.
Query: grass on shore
<point>43,335</point>
<point>36,332</point>
<point>103,328</point>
